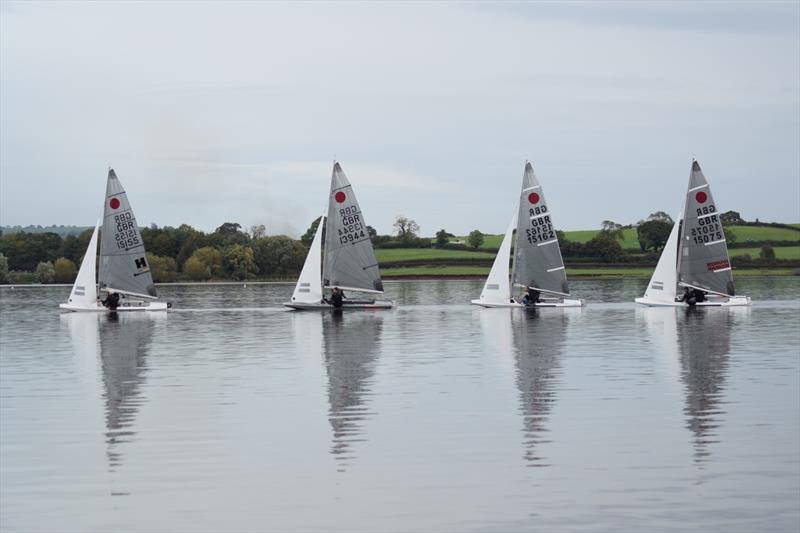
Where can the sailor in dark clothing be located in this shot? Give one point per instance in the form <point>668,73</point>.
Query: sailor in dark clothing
<point>111,301</point>
<point>692,296</point>
<point>699,296</point>
<point>531,297</point>
<point>336,297</point>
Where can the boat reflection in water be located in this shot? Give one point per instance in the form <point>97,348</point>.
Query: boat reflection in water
<point>124,344</point>
<point>120,343</point>
<point>704,344</point>
<point>351,345</point>
<point>694,345</point>
<point>539,338</point>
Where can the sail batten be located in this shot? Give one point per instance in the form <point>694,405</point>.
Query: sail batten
<point>348,258</point>
<point>123,260</point>
<point>537,263</point>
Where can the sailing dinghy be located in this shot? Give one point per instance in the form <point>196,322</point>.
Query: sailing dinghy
<point>537,256</point>
<point>123,261</point>
<point>696,254</point>
<point>345,260</point>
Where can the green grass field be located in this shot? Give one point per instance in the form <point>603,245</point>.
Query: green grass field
<point>631,239</point>
<point>417,254</point>
<point>755,233</point>
<point>407,254</point>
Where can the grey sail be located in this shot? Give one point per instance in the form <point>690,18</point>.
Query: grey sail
<point>703,260</point>
<point>537,255</point>
<point>349,261</point>
<point>123,262</point>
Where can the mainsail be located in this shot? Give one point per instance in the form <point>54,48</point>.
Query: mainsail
<point>123,261</point>
<point>537,256</point>
<point>349,261</point>
<point>703,260</point>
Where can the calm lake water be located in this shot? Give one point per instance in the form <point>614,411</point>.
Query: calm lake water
<point>231,413</point>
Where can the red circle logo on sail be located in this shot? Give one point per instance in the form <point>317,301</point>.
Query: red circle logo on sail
<point>701,197</point>
<point>533,198</point>
<point>114,203</point>
<point>340,197</point>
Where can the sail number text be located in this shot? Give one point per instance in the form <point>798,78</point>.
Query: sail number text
<point>126,234</point>
<point>541,228</point>
<point>351,228</point>
<point>709,228</point>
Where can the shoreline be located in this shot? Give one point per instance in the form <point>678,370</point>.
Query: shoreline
<point>610,273</point>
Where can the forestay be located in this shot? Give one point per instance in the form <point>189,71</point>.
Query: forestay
<point>349,260</point>
<point>123,261</point>
<point>703,261</point>
<point>537,256</point>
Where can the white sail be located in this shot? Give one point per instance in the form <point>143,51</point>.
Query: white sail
<point>349,260</point>
<point>84,290</point>
<point>123,260</point>
<point>663,285</point>
<point>497,288</point>
<point>537,255</point>
<point>309,285</point>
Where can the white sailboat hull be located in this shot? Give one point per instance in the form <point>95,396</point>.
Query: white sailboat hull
<point>733,301</point>
<point>490,305</point>
<point>355,304</point>
<point>566,302</point>
<point>124,307</point>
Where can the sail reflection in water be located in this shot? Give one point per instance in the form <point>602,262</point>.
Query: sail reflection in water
<point>539,339</point>
<point>704,343</point>
<point>124,344</point>
<point>351,347</point>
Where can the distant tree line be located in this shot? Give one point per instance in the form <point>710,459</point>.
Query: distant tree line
<point>232,253</point>
<point>183,253</point>
<point>38,228</point>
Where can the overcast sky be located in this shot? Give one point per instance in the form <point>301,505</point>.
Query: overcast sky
<point>213,112</point>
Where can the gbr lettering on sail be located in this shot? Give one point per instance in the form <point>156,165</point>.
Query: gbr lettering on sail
<point>540,229</point>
